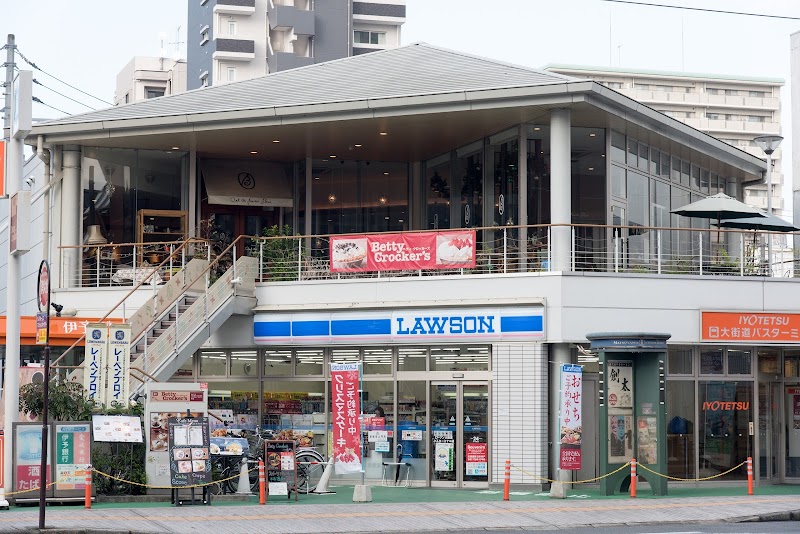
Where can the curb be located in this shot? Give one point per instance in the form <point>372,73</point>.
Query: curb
<point>772,516</point>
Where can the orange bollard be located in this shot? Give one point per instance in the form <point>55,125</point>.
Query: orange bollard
<point>262,498</point>
<point>749,475</point>
<point>507,481</point>
<point>633,478</point>
<point>88,503</point>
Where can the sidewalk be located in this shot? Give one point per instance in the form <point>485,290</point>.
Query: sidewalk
<point>435,511</point>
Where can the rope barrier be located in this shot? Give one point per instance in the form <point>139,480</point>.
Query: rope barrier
<point>693,479</point>
<point>34,489</point>
<point>572,481</point>
<point>237,475</point>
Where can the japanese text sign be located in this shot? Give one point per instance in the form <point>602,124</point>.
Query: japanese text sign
<point>346,409</point>
<point>620,384</point>
<point>570,416</point>
<point>750,327</point>
<point>72,455</point>
<point>119,363</point>
<point>94,367</point>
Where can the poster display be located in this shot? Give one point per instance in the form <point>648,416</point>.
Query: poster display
<point>647,440</point>
<point>620,384</point>
<point>570,422</point>
<point>117,428</point>
<point>281,467</point>
<point>94,373</point>
<point>477,459</point>
<point>444,450</point>
<point>409,251</point>
<point>620,438</point>
<point>28,460</point>
<point>119,365</point>
<point>189,451</point>
<point>346,409</point>
<point>73,446</point>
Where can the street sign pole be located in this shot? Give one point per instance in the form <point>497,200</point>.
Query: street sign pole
<point>43,300</point>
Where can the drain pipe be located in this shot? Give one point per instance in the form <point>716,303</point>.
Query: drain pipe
<point>44,155</point>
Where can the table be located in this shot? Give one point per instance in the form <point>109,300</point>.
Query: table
<point>387,481</point>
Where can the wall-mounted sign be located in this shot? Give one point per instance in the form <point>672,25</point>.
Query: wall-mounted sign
<point>439,325</point>
<point>749,327</point>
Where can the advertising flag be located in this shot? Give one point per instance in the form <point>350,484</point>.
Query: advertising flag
<point>94,364</point>
<point>346,411</point>
<point>570,422</point>
<point>119,365</point>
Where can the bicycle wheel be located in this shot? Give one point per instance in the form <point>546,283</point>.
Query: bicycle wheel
<point>310,466</point>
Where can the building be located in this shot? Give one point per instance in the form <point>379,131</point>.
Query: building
<point>733,109</point>
<point>230,40</point>
<point>446,142</point>
<point>149,77</point>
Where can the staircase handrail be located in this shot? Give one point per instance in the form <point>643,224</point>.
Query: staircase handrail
<point>180,249</point>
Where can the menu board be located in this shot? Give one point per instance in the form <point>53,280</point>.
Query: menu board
<point>117,428</point>
<point>188,451</point>
<point>281,467</point>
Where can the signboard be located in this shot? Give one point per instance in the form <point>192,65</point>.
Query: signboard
<point>620,384</point>
<point>41,328</point>
<point>570,417</point>
<point>382,446</point>
<point>176,396</point>
<point>281,467</point>
<point>95,361</point>
<point>21,104</point>
<point>444,450</point>
<point>20,223</point>
<point>750,327</point>
<point>477,459</point>
<point>375,436</point>
<point>189,451</point>
<point>119,365</point>
<point>43,288</point>
<point>397,252</point>
<point>411,435</point>
<point>418,325</point>
<point>73,446</point>
<point>117,428</point>
<point>346,408</point>
<point>27,448</point>
<point>3,169</point>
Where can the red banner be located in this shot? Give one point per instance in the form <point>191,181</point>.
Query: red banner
<point>397,252</point>
<point>346,410</point>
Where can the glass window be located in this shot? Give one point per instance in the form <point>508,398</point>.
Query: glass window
<point>377,361</point>
<point>244,363</point>
<point>644,156</point>
<point>676,169</point>
<point>152,92</point>
<point>618,183</point>
<point>231,27</point>
<point>186,370</point>
<point>309,362</point>
<point>695,179</point>
<point>680,428</point>
<point>740,362</point>
<point>240,398</point>
<point>213,363</point>
<point>711,361</point>
<point>412,405</point>
<point>278,362</point>
<point>231,74</point>
<point>655,155</point>
<point>685,173</point>
<point>704,181</point>
<point>439,191</point>
<point>679,361</point>
<point>633,152</point>
<point>412,358</point>
<point>664,168</point>
<point>725,414</point>
<point>296,410</point>
<point>768,361</point>
<point>361,37</point>
<point>617,147</point>
<point>470,172</point>
<point>460,358</point>
<point>506,183</point>
<point>791,364</point>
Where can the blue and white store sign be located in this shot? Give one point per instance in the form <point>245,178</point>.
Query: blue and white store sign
<point>441,325</point>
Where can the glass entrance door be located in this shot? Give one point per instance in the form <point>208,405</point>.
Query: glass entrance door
<point>459,413</point>
<point>791,410</point>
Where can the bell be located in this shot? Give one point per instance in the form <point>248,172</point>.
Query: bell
<point>95,236</point>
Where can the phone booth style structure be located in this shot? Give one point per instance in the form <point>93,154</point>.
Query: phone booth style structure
<point>632,407</point>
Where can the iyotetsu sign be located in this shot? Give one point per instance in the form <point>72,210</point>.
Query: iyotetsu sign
<point>748,327</point>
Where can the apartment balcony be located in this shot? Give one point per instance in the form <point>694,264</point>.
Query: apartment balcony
<point>235,7</point>
<point>703,100</point>
<point>285,17</point>
<point>287,60</point>
<point>742,127</point>
<point>234,49</point>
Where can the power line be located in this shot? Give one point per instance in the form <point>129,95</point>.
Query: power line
<point>37,82</point>
<point>703,9</point>
<point>35,66</point>
<point>38,101</point>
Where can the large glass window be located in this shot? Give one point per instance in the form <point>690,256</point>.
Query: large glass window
<point>296,410</point>
<point>725,415</point>
<point>459,358</point>
<point>680,428</point>
<point>679,361</point>
<point>505,172</point>
<point>412,358</point>
<point>469,170</point>
<point>711,361</point>
<point>437,175</point>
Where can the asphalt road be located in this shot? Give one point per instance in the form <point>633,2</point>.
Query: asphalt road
<point>775,527</point>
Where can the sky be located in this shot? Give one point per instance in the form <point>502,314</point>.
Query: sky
<point>85,43</point>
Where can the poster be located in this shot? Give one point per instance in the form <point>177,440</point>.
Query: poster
<point>620,384</point>
<point>647,440</point>
<point>620,438</point>
<point>188,451</point>
<point>73,443</point>
<point>281,468</point>
<point>570,422</point>
<point>28,459</point>
<point>444,450</point>
<point>346,410</point>
<point>159,429</point>
<point>117,428</point>
<point>119,364</point>
<point>477,459</point>
<point>94,373</point>
<point>409,251</point>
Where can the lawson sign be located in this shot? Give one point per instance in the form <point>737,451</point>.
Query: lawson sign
<point>440,325</point>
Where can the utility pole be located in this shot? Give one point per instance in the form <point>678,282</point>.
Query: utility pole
<point>9,65</point>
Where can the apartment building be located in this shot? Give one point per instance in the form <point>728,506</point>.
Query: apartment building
<point>147,77</point>
<point>232,40</point>
<point>731,108</point>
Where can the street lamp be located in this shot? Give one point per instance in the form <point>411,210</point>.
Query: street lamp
<point>769,143</point>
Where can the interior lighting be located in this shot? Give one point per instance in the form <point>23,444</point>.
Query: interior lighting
<point>384,133</point>
<point>254,151</point>
<point>276,140</point>
<point>357,145</point>
<point>176,148</point>
<point>592,135</point>
<point>332,156</point>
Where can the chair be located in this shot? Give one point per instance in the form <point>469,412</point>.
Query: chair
<point>387,480</point>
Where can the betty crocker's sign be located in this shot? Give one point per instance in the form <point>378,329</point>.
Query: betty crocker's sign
<point>411,251</point>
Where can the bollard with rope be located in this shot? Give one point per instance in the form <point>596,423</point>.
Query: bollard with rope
<point>88,494</point>
<point>507,481</point>
<point>749,475</point>
<point>633,478</point>
<point>262,499</point>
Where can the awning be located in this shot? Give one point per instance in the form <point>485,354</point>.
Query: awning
<point>246,183</point>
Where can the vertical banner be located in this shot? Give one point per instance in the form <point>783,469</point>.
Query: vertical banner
<point>119,364</point>
<point>346,422</point>
<point>570,421</point>
<point>94,363</point>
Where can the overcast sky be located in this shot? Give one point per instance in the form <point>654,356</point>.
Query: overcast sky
<point>87,42</point>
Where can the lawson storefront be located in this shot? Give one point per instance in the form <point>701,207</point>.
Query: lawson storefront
<point>433,379</point>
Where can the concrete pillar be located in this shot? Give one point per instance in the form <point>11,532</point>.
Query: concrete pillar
<point>559,355</point>
<point>71,218</point>
<point>522,177</point>
<point>192,193</point>
<point>309,185</point>
<point>560,188</point>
